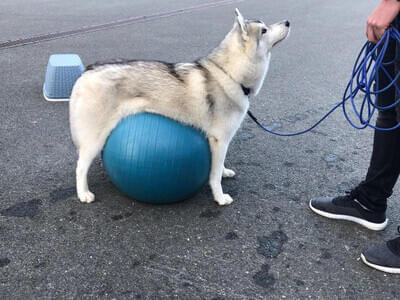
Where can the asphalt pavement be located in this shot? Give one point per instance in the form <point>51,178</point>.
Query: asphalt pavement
<point>266,245</point>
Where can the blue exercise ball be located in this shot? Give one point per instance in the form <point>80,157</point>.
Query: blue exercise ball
<point>155,159</point>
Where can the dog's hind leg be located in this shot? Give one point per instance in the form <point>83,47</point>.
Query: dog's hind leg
<point>218,152</point>
<point>87,153</point>
<point>89,146</point>
<point>90,129</point>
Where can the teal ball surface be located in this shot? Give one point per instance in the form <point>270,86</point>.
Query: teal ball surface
<point>154,159</point>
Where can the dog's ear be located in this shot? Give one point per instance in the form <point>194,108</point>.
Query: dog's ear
<point>241,23</point>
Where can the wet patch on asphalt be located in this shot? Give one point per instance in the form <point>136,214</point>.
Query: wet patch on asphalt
<point>269,247</point>
<point>209,213</point>
<point>4,262</point>
<point>263,278</point>
<point>23,209</point>
<point>62,194</point>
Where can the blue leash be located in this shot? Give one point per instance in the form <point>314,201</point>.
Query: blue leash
<point>363,78</point>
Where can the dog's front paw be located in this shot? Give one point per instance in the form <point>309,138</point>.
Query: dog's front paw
<point>86,197</point>
<point>224,200</point>
<point>228,173</point>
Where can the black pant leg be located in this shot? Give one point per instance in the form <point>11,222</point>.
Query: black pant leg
<point>384,168</point>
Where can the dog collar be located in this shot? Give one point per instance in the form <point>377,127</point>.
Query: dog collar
<point>246,90</point>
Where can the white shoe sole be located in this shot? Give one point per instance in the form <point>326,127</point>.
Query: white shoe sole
<point>362,222</point>
<point>380,268</point>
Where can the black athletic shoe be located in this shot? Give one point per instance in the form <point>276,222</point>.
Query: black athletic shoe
<point>384,257</point>
<point>348,208</point>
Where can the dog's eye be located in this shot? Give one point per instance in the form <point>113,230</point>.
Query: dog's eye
<point>264,30</point>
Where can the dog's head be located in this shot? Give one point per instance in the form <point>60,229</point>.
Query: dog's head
<point>257,35</point>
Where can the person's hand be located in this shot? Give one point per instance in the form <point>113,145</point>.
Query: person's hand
<point>381,18</point>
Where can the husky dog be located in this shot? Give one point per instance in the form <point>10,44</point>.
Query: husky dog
<point>211,94</point>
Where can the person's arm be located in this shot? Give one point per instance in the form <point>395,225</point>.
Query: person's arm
<point>381,18</point>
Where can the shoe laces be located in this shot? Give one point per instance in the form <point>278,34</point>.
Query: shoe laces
<point>352,194</point>
<point>346,200</point>
<point>394,244</point>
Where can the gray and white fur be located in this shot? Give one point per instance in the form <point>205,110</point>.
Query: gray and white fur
<point>211,94</point>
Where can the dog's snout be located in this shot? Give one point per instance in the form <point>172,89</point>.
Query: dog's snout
<point>287,23</point>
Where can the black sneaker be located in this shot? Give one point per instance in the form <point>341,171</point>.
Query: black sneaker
<point>385,256</point>
<point>348,208</point>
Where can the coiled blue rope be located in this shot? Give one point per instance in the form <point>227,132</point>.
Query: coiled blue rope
<point>364,76</point>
